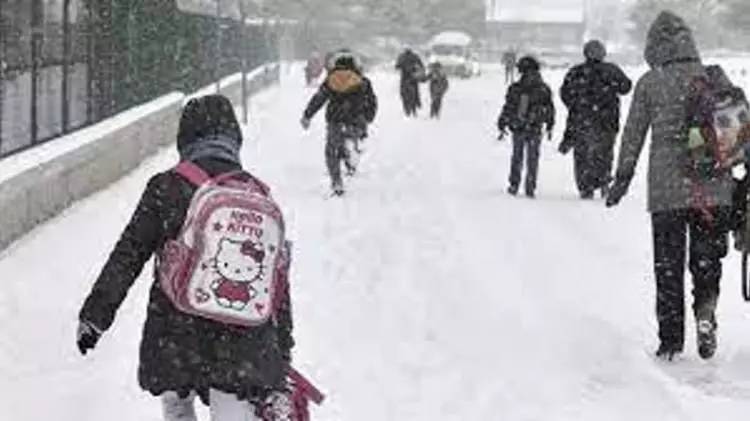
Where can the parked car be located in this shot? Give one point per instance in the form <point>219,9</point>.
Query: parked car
<point>454,51</point>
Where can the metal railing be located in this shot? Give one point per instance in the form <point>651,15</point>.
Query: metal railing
<point>66,64</point>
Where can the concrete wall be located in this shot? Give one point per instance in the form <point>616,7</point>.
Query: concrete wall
<point>37,184</point>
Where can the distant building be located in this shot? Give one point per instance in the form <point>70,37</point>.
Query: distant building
<point>535,25</point>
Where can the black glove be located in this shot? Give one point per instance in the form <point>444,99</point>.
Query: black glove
<point>502,135</point>
<point>618,190</point>
<point>88,336</point>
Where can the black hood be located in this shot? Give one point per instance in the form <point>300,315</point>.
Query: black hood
<point>669,40</point>
<point>206,118</point>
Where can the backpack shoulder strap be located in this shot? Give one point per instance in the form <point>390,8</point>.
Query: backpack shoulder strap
<point>245,178</point>
<point>192,173</point>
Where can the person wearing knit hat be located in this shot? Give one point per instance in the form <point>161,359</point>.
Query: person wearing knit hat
<point>528,107</point>
<point>591,92</point>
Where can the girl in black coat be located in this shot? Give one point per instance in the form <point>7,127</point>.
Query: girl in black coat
<point>183,355</point>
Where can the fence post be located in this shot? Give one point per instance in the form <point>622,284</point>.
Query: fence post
<point>245,50</point>
<point>3,31</point>
<point>217,62</point>
<point>66,67</point>
<point>36,44</point>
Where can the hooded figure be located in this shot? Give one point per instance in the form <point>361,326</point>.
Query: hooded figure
<point>412,73</point>
<point>352,105</point>
<point>592,91</point>
<point>181,354</point>
<point>528,107</point>
<point>660,103</point>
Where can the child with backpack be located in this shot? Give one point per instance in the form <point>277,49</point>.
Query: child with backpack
<point>438,87</point>
<point>219,322</point>
<point>352,105</point>
<point>528,107</point>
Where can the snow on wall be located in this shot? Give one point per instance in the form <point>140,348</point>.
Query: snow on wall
<point>39,183</point>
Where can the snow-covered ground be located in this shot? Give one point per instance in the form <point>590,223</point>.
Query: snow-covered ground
<point>425,294</point>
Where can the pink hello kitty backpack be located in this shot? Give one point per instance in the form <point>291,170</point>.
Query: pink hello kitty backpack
<point>230,261</point>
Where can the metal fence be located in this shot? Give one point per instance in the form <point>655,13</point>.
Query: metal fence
<point>65,64</point>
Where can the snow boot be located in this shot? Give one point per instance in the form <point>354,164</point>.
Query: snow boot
<point>512,190</point>
<point>530,194</point>
<point>587,195</point>
<point>668,352</point>
<point>705,320</point>
<point>706,331</point>
<point>337,188</point>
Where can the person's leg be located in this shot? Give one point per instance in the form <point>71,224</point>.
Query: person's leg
<point>580,154</point>
<point>609,138</point>
<point>516,163</point>
<point>333,155</point>
<point>708,245</point>
<point>175,408</point>
<point>533,143</point>
<point>226,407</point>
<point>439,109</point>
<point>669,236</point>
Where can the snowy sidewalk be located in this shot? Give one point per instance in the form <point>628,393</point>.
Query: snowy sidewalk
<point>425,294</point>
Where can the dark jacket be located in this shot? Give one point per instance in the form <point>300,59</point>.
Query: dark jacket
<point>180,352</point>
<point>592,91</point>
<point>438,83</point>
<point>350,98</point>
<point>528,106</point>
<point>411,67</point>
<point>660,103</point>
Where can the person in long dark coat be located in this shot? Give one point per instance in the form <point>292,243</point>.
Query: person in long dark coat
<point>183,355</point>
<point>592,91</point>
<point>412,72</point>
<point>682,225</point>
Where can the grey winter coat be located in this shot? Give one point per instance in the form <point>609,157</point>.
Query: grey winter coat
<point>660,104</point>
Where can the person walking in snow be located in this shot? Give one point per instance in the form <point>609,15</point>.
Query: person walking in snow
<point>235,368</point>
<point>591,92</point>
<point>438,87</point>
<point>683,222</point>
<point>528,107</point>
<point>412,73</point>
<point>352,105</point>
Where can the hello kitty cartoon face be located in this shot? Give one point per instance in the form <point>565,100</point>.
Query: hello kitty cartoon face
<point>240,261</point>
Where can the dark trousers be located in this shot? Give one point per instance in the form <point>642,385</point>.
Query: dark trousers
<point>410,97</point>
<point>675,234</point>
<point>336,152</point>
<point>593,157</point>
<point>437,106</point>
<point>525,143</point>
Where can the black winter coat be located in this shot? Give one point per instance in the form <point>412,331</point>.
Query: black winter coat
<point>180,352</point>
<point>350,98</point>
<point>528,106</point>
<point>438,84</point>
<point>592,91</point>
<point>411,67</point>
